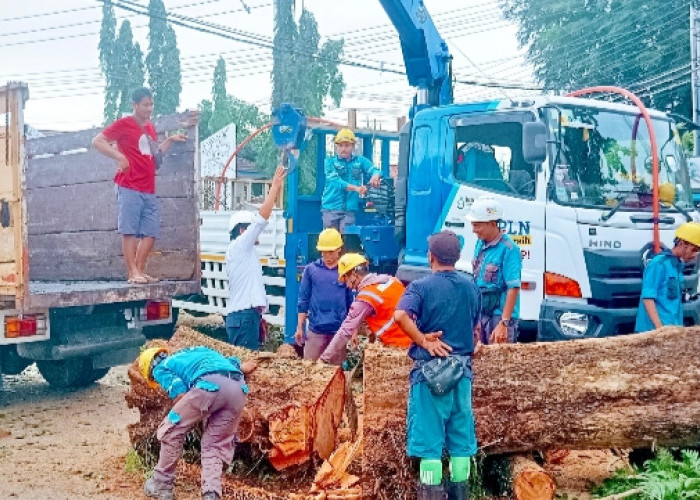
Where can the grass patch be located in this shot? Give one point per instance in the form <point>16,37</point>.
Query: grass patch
<point>670,475</point>
<point>134,464</point>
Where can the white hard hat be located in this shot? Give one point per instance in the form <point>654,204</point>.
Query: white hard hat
<point>485,209</point>
<point>239,217</point>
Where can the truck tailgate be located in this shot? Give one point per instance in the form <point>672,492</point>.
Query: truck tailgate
<point>12,159</point>
<point>44,295</point>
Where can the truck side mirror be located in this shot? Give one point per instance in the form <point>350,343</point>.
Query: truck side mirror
<point>535,136</point>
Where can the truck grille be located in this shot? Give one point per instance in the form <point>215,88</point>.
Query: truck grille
<point>616,277</point>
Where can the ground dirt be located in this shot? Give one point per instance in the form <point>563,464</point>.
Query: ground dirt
<point>72,443</point>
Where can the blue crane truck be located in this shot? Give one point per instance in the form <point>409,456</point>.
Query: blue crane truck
<point>574,175</point>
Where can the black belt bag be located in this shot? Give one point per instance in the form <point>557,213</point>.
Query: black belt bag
<point>442,374</point>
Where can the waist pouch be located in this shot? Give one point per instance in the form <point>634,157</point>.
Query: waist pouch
<point>490,299</point>
<point>442,374</point>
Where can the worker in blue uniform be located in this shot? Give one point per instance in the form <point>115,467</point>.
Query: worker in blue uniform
<point>497,267</point>
<point>661,302</point>
<point>345,175</point>
<point>438,312</point>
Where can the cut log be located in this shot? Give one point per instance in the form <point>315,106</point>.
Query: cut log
<point>579,470</point>
<point>624,392</point>
<point>293,411</point>
<point>530,480</point>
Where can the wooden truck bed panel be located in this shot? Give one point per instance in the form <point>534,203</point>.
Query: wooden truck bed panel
<point>71,217</point>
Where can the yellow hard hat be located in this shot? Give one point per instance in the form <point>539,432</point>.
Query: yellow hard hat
<point>690,232</point>
<point>348,262</point>
<point>345,135</point>
<point>329,240</point>
<point>145,360</point>
<point>667,193</point>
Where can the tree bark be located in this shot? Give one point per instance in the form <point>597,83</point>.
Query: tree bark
<point>627,392</point>
<point>530,480</point>
<point>293,410</point>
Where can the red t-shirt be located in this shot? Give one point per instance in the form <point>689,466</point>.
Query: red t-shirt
<point>131,141</point>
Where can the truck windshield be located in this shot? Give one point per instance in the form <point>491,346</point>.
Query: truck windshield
<point>602,158</point>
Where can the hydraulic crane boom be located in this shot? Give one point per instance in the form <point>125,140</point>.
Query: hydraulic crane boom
<point>425,53</point>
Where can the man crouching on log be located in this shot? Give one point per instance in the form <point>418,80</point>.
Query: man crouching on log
<point>447,304</point>
<point>205,386</point>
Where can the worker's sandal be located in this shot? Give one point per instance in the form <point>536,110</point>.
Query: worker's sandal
<point>457,491</point>
<point>426,492</point>
<point>150,488</point>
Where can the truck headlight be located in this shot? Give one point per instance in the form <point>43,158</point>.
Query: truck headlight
<point>574,324</point>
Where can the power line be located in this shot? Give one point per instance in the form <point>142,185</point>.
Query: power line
<point>97,21</point>
<point>42,14</point>
<point>242,37</point>
<point>666,18</point>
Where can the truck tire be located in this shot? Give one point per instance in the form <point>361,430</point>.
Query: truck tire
<point>162,331</point>
<point>75,372</point>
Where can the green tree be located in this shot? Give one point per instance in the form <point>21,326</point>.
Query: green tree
<point>221,112</point>
<point>205,111</point>
<point>225,109</point>
<point>127,70</point>
<point>121,63</point>
<point>636,44</point>
<point>163,60</point>
<point>108,31</point>
<point>304,73</point>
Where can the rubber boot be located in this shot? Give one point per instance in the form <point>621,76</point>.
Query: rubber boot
<point>457,491</point>
<point>150,488</point>
<point>426,492</point>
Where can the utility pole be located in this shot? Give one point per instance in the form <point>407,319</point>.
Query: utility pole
<point>694,68</point>
<point>352,119</point>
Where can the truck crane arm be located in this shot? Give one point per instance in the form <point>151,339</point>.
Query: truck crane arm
<point>425,53</point>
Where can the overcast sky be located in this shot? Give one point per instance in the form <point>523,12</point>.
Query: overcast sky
<point>53,46</point>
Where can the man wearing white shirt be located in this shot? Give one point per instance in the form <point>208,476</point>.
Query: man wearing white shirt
<point>245,276</point>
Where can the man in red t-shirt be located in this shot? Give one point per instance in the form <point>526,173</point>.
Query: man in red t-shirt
<point>131,141</point>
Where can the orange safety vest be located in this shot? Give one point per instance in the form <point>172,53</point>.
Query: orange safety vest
<point>384,297</point>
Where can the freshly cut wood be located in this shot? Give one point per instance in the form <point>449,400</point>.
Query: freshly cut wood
<point>293,411</point>
<point>624,392</point>
<point>530,480</point>
<point>333,473</point>
<point>580,470</point>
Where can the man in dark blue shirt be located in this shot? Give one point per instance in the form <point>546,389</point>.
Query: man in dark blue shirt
<point>439,313</point>
<point>323,300</point>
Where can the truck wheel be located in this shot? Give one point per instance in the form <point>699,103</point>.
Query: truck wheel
<point>75,372</point>
<point>162,331</point>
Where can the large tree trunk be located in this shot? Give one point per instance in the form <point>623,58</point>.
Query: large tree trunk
<point>630,391</point>
<point>293,411</point>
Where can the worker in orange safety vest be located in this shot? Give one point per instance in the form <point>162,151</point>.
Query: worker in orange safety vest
<point>375,304</point>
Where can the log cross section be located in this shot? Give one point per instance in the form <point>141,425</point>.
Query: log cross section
<point>293,410</point>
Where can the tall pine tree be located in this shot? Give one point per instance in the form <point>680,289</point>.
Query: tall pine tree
<point>163,60</point>
<point>303,74</point>
<point>221,115</point>
<point>128,71</point>
<point>108,35</point>
<point>225,109</point>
